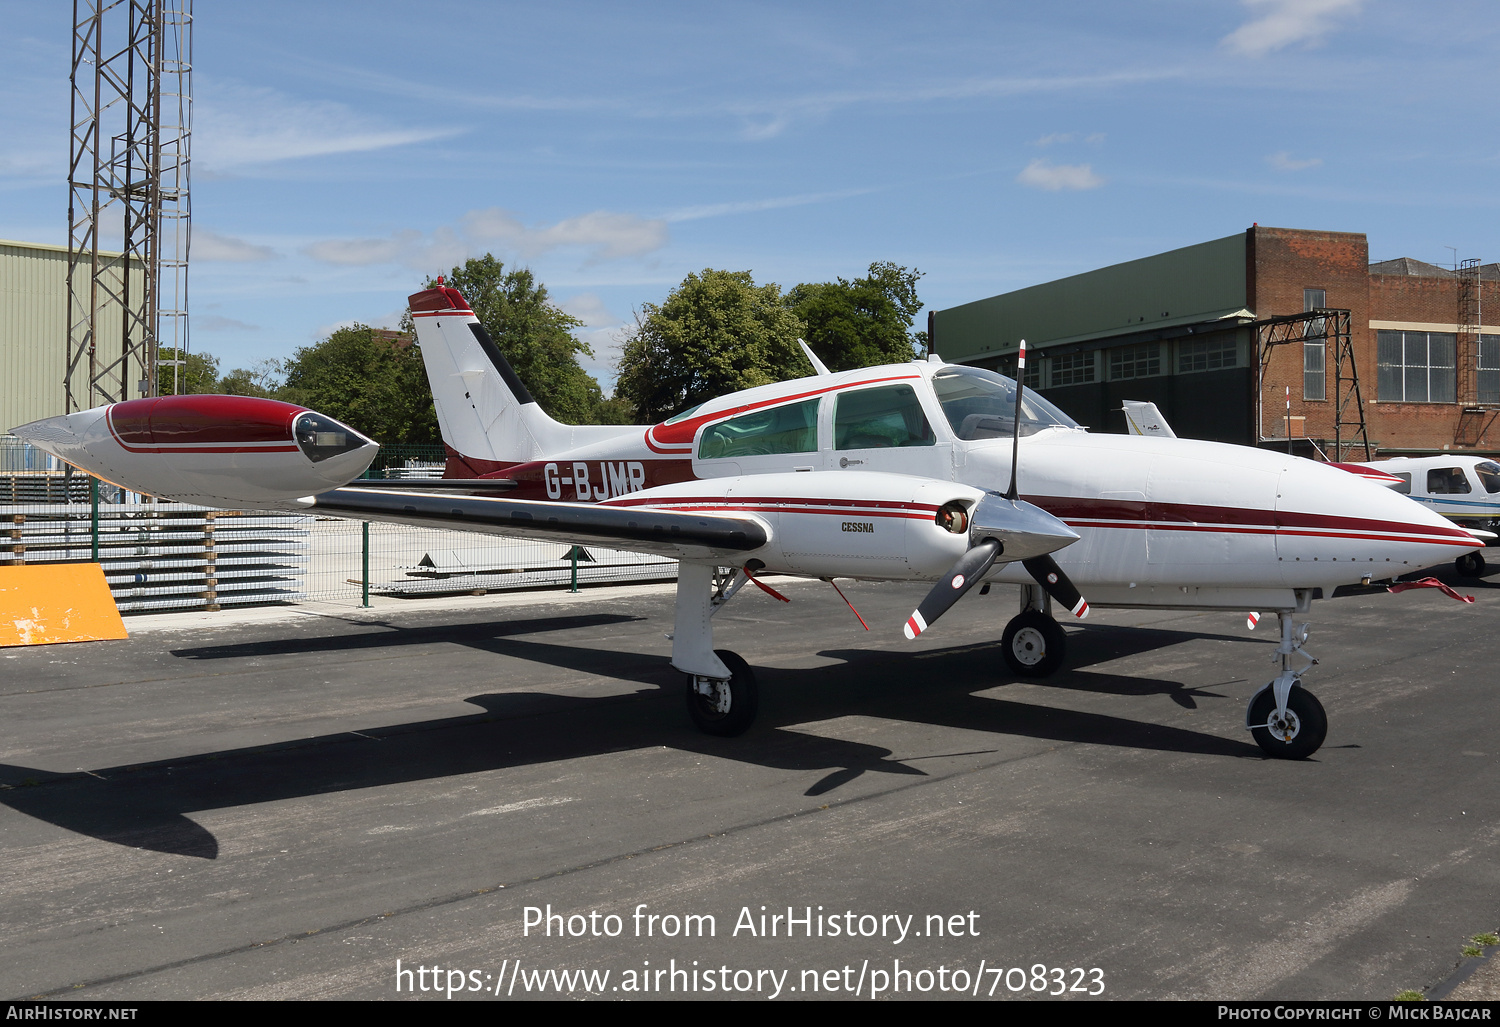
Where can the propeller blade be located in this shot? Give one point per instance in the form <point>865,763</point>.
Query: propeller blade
<point>970,567</point>
<point>1056,584</point>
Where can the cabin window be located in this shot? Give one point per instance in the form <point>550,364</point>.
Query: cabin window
<point>981,404</point>
<point>1489,475</point>
<point>684,415</point>
<point>888,417</point>
<point>1405,487</point>
<point>792,428</point>
<point>1447,481</point>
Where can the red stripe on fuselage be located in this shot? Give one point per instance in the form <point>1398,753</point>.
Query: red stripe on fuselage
<point>1113,513</point>
<point>682,432</point>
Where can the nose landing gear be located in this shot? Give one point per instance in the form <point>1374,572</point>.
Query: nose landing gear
<point>1284,718</point>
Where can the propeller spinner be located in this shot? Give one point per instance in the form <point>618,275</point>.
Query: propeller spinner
<point>1016,530</point>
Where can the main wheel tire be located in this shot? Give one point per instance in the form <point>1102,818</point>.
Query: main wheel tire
<point>1471,564</point>
<point>730,706</point>
<point>1301,734</point>
<point>1033,644</point>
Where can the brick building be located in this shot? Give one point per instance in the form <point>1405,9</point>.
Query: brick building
<point>1221,337</point>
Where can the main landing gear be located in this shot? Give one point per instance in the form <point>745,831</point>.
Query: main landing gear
<point>722,697</point>
<point>1470,565</point>
<point>1284,718</point>
<point>1034,644</point>
<point>724,707</point>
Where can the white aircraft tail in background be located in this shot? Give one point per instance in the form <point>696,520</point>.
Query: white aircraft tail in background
<point>1143,418</point>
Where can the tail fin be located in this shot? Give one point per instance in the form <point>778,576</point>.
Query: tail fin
<point>487,415</point>
<point>1143,418</point>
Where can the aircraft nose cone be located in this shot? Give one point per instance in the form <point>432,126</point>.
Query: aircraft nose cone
<point>63,435</point>
<point>1331,521</point>
<point>1024,530</point>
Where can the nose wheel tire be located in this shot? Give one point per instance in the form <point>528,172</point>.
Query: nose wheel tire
<point>1296,735</point>
<point>724,708</point>
<point>1033,644</point>
<point>1470,565</point>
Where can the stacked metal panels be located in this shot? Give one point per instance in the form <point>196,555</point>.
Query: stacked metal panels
<point>162,556</point>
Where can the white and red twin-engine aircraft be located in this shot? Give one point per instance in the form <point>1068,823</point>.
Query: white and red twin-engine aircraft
<point>884,473</point>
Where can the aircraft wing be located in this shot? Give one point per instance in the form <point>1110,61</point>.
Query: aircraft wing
<point>680,535</point>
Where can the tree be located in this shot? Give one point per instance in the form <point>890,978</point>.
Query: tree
<point>263,380</point>
<point>864,322</point>
<point>371,383</point>
<point>198,376</point>
<point>717,332</point>
<point>534,335</point>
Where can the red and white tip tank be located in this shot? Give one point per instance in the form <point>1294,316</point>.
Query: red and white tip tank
<point>216,450</point>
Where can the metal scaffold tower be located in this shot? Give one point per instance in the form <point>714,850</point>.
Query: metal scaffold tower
<point>1468,328</point>
<point>1477,416</point>
<point>129,210</point>
<point>1330,327</point>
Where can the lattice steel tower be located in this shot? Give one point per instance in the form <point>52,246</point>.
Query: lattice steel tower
<point>129,156</point>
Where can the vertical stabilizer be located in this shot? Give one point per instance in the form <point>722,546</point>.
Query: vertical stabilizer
<point>487,415</point>
<point>1143,418</point>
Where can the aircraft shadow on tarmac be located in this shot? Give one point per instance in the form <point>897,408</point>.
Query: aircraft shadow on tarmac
<point>147,805</point>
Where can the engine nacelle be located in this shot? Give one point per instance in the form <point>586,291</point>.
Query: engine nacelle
<point>227,451</point>
<point>849,524</point>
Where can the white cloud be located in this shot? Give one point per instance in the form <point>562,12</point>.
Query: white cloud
<point>209,245</point>
<point>216,323</point>
<point>1043,174</point>
<point>713,210</point>
<point>1055,138</point>
<point>1284,22</point>
<point>602,234</point>
<point>608,234</point>
<point>1284,161</point>
<point>590,309</point>
<point>362,252</point>
<point>235,126</point>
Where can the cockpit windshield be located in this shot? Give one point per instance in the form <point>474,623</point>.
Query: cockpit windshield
<point>1489,475</point>
<point>981,404</point>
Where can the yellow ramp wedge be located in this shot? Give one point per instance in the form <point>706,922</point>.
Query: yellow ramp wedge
<point>60,602</point>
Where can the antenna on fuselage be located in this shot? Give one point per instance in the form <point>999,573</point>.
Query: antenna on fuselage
<point>812,358</point>
<point>1015,439</point>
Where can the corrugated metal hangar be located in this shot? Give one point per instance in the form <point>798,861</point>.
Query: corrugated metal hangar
<point>34,329</point>
<point>1223,338</point>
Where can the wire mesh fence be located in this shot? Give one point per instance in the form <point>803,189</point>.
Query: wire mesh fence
<point>159,555</point>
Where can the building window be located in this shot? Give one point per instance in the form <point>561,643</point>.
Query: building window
<point>1314,370</point>
<point>1489,369</point>
<point>1140,361</point>
<point>1207,355</point>
<point>1316,328</point>
<point>1073,369</point>
<point>1416,367</point>
<point>1033,378</point>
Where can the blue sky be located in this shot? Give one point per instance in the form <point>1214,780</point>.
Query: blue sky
<point>343,151</point>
